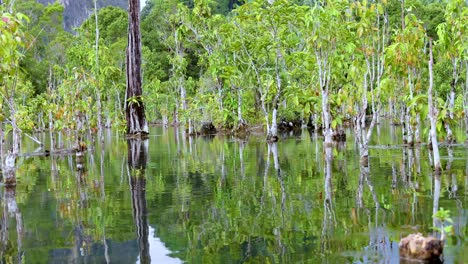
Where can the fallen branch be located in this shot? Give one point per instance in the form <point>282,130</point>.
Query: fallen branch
<point>70,151</point>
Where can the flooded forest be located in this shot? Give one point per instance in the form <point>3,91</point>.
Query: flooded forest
<point>232,131</point>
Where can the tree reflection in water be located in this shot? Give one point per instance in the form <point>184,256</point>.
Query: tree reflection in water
<point>137,160</point>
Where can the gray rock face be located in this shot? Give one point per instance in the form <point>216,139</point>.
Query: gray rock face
<point>77,11</point>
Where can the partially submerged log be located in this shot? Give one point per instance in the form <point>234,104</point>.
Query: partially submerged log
<point>416,246</point>
<point>65,151</point>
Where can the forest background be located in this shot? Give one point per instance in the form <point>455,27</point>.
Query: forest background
<point>328,63</point>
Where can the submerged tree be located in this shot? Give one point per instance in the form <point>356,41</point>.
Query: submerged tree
<point>135,109</point>
<point>11,42</point>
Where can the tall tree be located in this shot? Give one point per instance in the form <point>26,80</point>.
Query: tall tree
<point>135,109</point>
<point>433,114</point>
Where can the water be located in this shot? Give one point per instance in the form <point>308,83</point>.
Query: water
<point>223,200</point>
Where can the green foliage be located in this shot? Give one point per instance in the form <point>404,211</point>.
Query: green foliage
<point>239,66</point>
<point>446,223</point>
<point>42,31</point>
<point>112,24</point>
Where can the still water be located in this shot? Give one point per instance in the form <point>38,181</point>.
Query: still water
<point>225,200</point>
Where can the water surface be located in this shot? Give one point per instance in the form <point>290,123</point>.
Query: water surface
<point>225,200</point>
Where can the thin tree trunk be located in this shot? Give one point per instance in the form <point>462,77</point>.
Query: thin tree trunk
<point>409,128</point>
<point>98,87</point>
<point>135,110</point>
<point>273,133</point>
<point>2,143</point>
<point>433,114</point>
<point>240,119</point>
<point>324,72</point>
<point>466,96</point>
<point>452,87</point>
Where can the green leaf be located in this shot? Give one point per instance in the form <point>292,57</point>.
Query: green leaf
<point>439,125</point>
<point>307,108</point>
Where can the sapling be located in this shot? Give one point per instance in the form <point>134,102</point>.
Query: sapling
<point>446,223</point>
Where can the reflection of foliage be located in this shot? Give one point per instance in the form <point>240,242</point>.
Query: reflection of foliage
<point>205,209</point>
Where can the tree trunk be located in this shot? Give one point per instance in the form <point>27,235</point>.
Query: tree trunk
<point>453,83</point>
<point>2,139</point>
<point>327,132</point>
<point>452,100</point>
<point>240,119</point>
<point>409,128</point>
<point>324,74</point>
<point>433,114</point>
<point>135,110</point>
<point>466,96</point>
<point>9,170</point>
<point>273,132</point>
<point>16,132</point>
<point>98,87</point>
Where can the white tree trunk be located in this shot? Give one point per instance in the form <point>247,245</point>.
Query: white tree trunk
<point>9,170</point>
<point>274,126</point>
<point>240,119</point>
<point>409,128</point>
<point>327,132</point>
<point>98,88</point>
<point>433,115</point>
<point>449,132</point>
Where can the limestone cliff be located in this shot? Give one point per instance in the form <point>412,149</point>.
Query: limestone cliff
<point>76,11</point>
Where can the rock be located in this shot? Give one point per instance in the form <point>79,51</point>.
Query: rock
<point>416,246</point>
<point>208,129</point>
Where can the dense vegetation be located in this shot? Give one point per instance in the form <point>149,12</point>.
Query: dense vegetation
<point>327,62</point>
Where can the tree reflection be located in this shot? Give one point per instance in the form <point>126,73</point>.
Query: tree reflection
<point>329,219</point>
<point>436,194</point>
<point>137,160</point>
<point>10,209</point>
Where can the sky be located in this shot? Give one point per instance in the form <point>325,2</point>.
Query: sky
<point>142,3</point>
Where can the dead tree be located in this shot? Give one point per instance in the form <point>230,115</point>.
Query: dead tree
<point>135,110</point>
